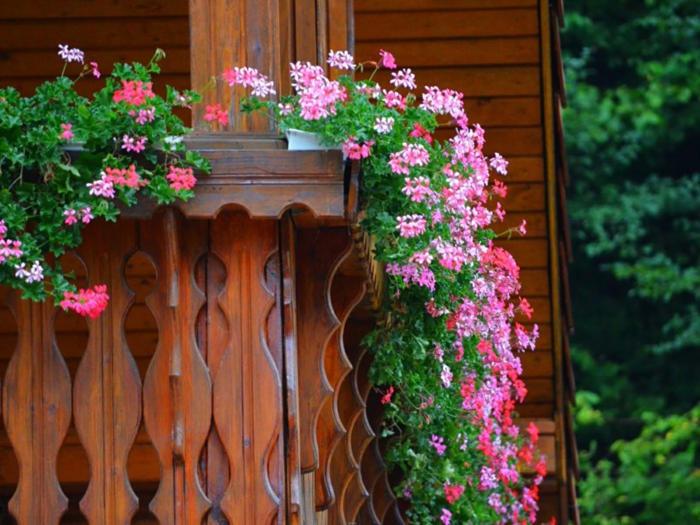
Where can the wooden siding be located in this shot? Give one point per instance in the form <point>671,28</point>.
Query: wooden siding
<point>108,32</point>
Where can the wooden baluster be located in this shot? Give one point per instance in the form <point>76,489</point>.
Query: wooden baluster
<point>107,389</point>
<point>295,492</point>
<point>177,388</point>
<point>37,412</point>
<point>248,387</point>
<point>319,254</point>
<point>214,334</point>
<point>346,293</point>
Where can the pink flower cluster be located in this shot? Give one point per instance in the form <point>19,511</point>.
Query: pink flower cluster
<point>134,92</point>
<point>67,134</point>
<point>9,248</point>
<point>135,144</point>
<point>216,113</point>
<point>318,95</point>
<point>181,178</point>
<point>250,77</point>
<point>70,54</point>
<point>353,150</point>
<point>440,248</point>
<point>123,177</point>
<point>90,302</point>
<point>72,216</point>
<point>143,115</point>
<point>34,274</point>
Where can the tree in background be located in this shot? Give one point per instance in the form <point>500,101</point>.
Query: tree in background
<point>633,142</point>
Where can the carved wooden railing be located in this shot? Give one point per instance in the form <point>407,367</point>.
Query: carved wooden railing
<point>255,399</point>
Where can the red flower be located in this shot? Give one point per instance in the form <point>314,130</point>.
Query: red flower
<point>387,397</point>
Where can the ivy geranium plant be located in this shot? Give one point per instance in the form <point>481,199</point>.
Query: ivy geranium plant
<point>445,356</point>
<point>66,160</point>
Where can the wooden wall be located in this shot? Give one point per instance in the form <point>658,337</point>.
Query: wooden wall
<point>107,31</point>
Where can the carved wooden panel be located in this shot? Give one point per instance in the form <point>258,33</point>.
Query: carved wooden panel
<point>248,380</point>
<point>346,293</point>
<point>37,411</point>
<point>320,253</point>
<point>107,389</point>
<point>177,389</point>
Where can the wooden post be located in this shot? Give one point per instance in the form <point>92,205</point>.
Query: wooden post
<point>266,35</point>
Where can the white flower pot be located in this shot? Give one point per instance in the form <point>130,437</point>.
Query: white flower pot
<point>304,141</point>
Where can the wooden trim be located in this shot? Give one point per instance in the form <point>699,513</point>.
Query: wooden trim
<point>252,172</point>
<point>555,282</point>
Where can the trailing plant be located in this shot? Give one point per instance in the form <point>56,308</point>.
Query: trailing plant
<point>445,356</point>
<point>66,160</point>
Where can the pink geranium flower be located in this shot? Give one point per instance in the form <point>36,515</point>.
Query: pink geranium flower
<point>67,134</point>
<point>387,59</point>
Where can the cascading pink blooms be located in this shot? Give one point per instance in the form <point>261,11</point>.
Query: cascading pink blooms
<point>445,272</point>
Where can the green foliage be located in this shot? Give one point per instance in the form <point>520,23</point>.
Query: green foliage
<point>56,145</point>
<point>649,480</point>
<point>632,126</point>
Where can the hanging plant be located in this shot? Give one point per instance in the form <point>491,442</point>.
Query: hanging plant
<point>66,160</point>
<point>446,356</point>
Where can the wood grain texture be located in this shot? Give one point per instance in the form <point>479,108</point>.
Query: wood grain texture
<point>295,487</point>
<point>352,410</point>
<point>425,5</point>
<point>248,385</point>
<point>177,389</point>
<point>48,9</point>
<point>266,184</point>
<point>37,411</point>
<point>107,390</point>
<point>101,34</point>
<point>463,52</point>
<point>319,254</point>
<point>436,24</point>
<point>346,293</point>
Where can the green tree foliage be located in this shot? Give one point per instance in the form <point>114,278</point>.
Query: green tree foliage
<point>633,129</point>
<point>653,479</point>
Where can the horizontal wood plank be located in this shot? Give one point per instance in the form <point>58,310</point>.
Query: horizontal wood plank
<point>81,9</point>
<point>536,224</point>
<point>536,409</point>
<point>420,5</point>
<point>523,168</point>
<point>522,197</point>
<point>528,253</point>
<point>535,282</point>
<point>92,35</point>
<point>474,81</point>
<point>455,52</point>
<point>537,364</point>
<point>502,112</point>
<point>404,25</point>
